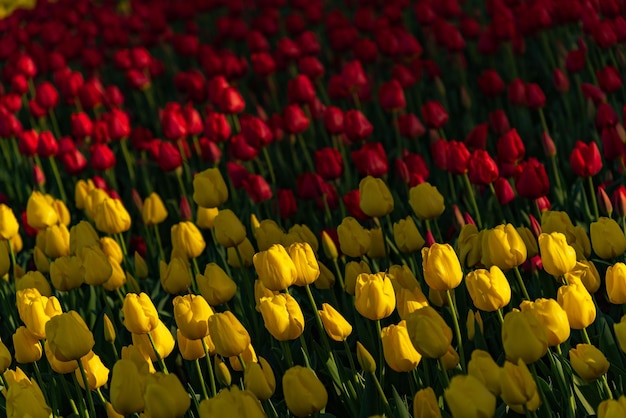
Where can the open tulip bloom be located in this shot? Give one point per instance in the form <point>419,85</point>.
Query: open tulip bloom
<point>360,211</point>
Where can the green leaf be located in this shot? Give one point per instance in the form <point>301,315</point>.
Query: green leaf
<point>402,408</point>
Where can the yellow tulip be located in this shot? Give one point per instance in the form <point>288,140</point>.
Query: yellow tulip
<point>267,234</point>
<point>259,379</point>
<point>577,303</point>
<point>112,249</point>
<point>248,356</point>
<point>58,366</point>
<point>153,211</point>
<point>26,345</point>
<point>275,268</point>
<point>82,235</point>
<point>530,241</point>
<point>519,390</point>
<point>377,246</point>
<point>229,335</point>
<point>429,333</point>
<point>503,247</point>
<point>96,266</point>
<point>165,396</point>
<point>469,245</point>
<point>192,349</point>
<point>607,238</point>
<point>334,323</point>
<point>425,404</point>
<point>39,212</point>
<point>442,270</point>
<point>81,191</point>
<point>301,233</point>
<point>374,296</point>
<point>112,217</point>
<point>406,235</point>
<point>191,314</point>
<point>398,349</point>
<point>375,198</point>
<point>553,317</point>
<point>209,188</point>
<point>484,368</point>
<point>57,241</point>
<point>620,333</point>
<point>245,250</point>
<point>97,373</point>
<point>304,393</point>
<point>205,217</point>
<point>612,408</point>
<point>36,310</point>
<point>68,336</point>
<point>557,256</point>
<point>467,397</point>
<point>409,300</point>
<point>229,231</point>
<point>24,398</point>
<point>616,283</point>
<point>588,362</point>
<point>188,238</point>
<point>232,402</point>
<point>5,357</point>
<point>330,249</point>
<point>282,316</point>
<point>307,267</point>
<point>426,201</point>
<point>32,279</point>
<point>326,280</point>
<point>162,338</point>
<point>524,337</point>
<point>489,289</point>
<point>365,359</point>
<point>352,271</point>
<point>140,315</point>
<point>354,240</point>
<point>8,222</point>
<point>126,390</point>
<point>402,277</point>
<point>175,276</point>
<point>215,285</point>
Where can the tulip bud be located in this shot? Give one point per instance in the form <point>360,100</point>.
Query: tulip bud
<point>221,372</point>
<point>210,190</point>
<point>153,210</point>
<point>375,197</point>
<point>175,277</point>
<point>8,222</point>
<point>205,217</point>
<point>365,359</point>
<point>407,236</point>
<point>307,267</point>
<point>275,268</point>
<point>524,337</point>
<point>97,373</point>
<point>259,379</point>
<point>557,256</point>
<point>163,342</point>
<point>398,349</point>
<point>111,217</point>
<point>588,362</point>
<point>26,345</point>
<point>519,390</point>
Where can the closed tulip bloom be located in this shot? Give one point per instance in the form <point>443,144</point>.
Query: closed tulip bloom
<point>126,389</point>
<point>39,212</point>
<point>469,245</point>
<point>32,279</point>
<point>82,235</point>
<point>138,356</point>
<point>245,256</point>
<point>616,283</point>
<point>192,349</point>
<point>612,408</point>
<point>229,336</point>
<point>68,336</point>
<point>8,222</point>
<point>451,359</point>
<point>588,362</point>
<point>188,238</point>
<point>524,337</point>
<point>326,280</point>
<point>398,349</point>
<point>41,260</point>
<point>442,270</point>
<point>112,249</point>
<point>5,357</point>
<point>165,396</point>
<point>425,404</point>
<point>374,296</point>
<point>588,274</point>
<point>302,233</point>
<point>467,397</point>
<point>409,300</point>
<point>620,333</point>
<point>163,341</point>
<point>215,285</point>
<point>222,373</point>
<point>97,373</point>
<point>93,201</point>
<point>354,240</point>
<point>112,217</point>
<point>553,317</point>
<point>556,255</point>
<point>307,267</point>
<point>377,246</point>
<point>118,277</point>
<point>24,398</point>
<point>141,268</point>
<point>229,231</point>
<point>205,217</point>
<point>532,247</point>
<point>275,268</point>
<point>607,238</point>
<point>35,310</point>
<point>175,277</point>
<point>334,323</point>
<point>62,211</point>
<point>484,368</point>
<point>304,392</point>
<point>267,234</point>
<point>259,379</point>
<point>426,201</point>
<point>375,198</point>
<point>407,236</point>
<point>209,188</point>
<point>352,271</point>
<point>504,247</point>
<point>472,320</point>
<point>26,345</point>
<point>330,249</point>
<point>402,277</point>
<point>153,211</point>
<point>192,314</point>
<point>519,390</point>
<point>232,402</point>
<point>81,191</point>
<point>140,315</point>
<point>577,303</point>
<point>248,356</point>
<point>365,359</point>
<point>430,334</point>
<point>57,239</point>
<point>489,289</point>
<point>96,266</point>
<point>282,316</point>
<point>61,367</point>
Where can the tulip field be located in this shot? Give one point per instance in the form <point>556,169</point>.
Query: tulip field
<point>293,208</point>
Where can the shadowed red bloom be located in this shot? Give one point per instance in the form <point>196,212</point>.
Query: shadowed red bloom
<point>240,149</point>
<point>612,146</point>
<point>300,89</point>
<point>593,93</point>
<point>73,161</point>
<point>328,163</point>
<point>28,142</point>
<point>118,124</point>
<point>535,98</point>
<point>618,199</point>
<point>137,79</point>
<point>294,119</point>
<point>309,186</point>
<point>193,120</point>
<point>504,191</point>
<point>482,169</point>
<point>517,92</point>
<point>606,116</point>
<point>371,160</point>
<point>458,157</point>
<point>257,188</point>
<point>287,206</point>
<point>410,126</point>
<point>477,138</point>
<point>231,101</point>
<point>216,127</point>
<point>263,64</point>
<point>585,159</point>
<point>603,34</point>
<point>609,79</point>
<point>499,122</point>
<point>356,126</point>
<point>102,158</point>
<point>256,131</point>
<point>46,95</point>
<point>173,122</point>
<point>353,77</point>
<point>391,96</point>
<point>209,151</point>
<point>168,157</point>
<point>352,201</point>
<point>490,83</point>
<point>36,110</point>
<point>439,152</point>
<point>575,60</point>
<point>417,167</point>
<point>329,197</point>
<point>531,179</point>
<point>510,147</point>
<point>91,93</point>
<point>434,115</point>
<point>47,145</point>
<point>311,67</point>
<point>334,120</point>
<point>560,80</point>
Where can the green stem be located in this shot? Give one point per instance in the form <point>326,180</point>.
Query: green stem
<point>287,353</point>
<point>242,362</point>
<point>594,200</point>
<point>67,394</point>
<point>270,166</point>
<point>157,355</point>
<point>381,392</point>
<point>92,409</point>
<point>457,329</point>
<point>307,156</point>
<point>79,396</point>
<point>159,243</point>
<point>444,373</point>
<point>210,367</point>
<point>201,377</point>
<point>520,281</point>
<point>472,195</point>
<point>130,163</point>
<point>351,361</point>
<point>57,178</point>
<point>318,319</point>
<point>40,381</point>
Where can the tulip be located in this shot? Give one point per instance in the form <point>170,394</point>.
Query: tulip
<point>451,359</point>
<point>304,392</point>
<point>334,323</point>
<point>557,256</point>
<point>67,273</point>
<point>141,268</point>
<point>57,241</point>
<point>468,397</point>
<point>588,362</point>
<point>232,402</point>
<point>139,357</point>
<point>375,197</point>
<point>24,398</point>
<point>192,314</point>
<point>267,234</point>
<point>40,212</point>
<point>153,211</point>
<point>242,255</point>
<point>247,356</point>
<point>5,260</point>
<point>187,238</point>
<point>5,357</point>
<point>111,217</point>
<point>489,289</point>
<point>398,350</point>
<point>221,372</point>
<point>607,238</point>
<point>374,296</point>
<point>96,266</point>
<point>118,277</point>
<point>82,235</point>
<point>229,336</point>
<point>111,248</point>
<point>165,396</point>
<point>503,247</point>
<point>354,240</point>
<point>426,201</point>
<point>26,345</point>
<point>68,336</point>
<point>126,390</point>
<point>407,236</point>
<point>524,337</point>
<point>519,390</point>
<point>442,270</point>
<point>175,277</point>
<point>425,404</point>
<point>484,368</point>
<point>612,408</point>
<point>469,245</point>
<point>301,233</point>
<point>259,379</point>
<point>32,279</point>
<point>193,349</point>
<point>616,283</point>
<point>97,373</point>
<point>577,303</point>
<point>210,190</point>
<point>61,367</point>
<point>275,268</point>
<point>229,231</point>
<point>205,217</point>
<point>553,317</point>
<point>8,222</point>
<point>215,285</point>
<point>162,339</point>
<point>140,315</point>
<point>620,333</point>
<point>365,359</point>
<point>36,310</point>
<point>307,267</point>
<point>429,333</point>
<point>282,316</point>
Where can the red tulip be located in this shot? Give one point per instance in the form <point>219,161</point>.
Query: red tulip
<point>28,142</point>
<point>535,98</point>
<point>612,146</point>
<point>417,167</point>
<point>113,97</point>
<point>391,96</point>
<point>36,110</point>
<point>510,147</point>
<point>231,101</point>
<point>118,124</point>
<point>517,92</point>
<point>257,188</point>
<point>309,186</point>
<point>90,93</point>
<point>434,115</point>
<point>606,116</point>
<point>352,201</point>
<point>603,34</point>
<point>334,120</point>
<point>328,163</point>
<point>47,145</point>
<point>609,79</point>
<point>294,119</point>
<point>549,147</point>
<point>477,138</point>
<point>593,93</point>
<point>19,84</point>
<point>618,198</point>
<point>193,120</point>
<point>353,77</point>
<point>216,127</point>
<point>263,64</point>
<point>300,89</point>
<point>482,169</point>
<point>458,157</point>
<point>371,160</point>
<point>46,95</point>
<point>256,131</point>
<point>26,66</point>
<point>585,159</point>
<point>73,161</point>
<point>410,126</point>
<point>237,174</point>
<point>209,151</point>
<point>504,191</point>
<point>356,126</point>
<point>102,158</point>
<point>287,206</point>
<point>575,60</point>
<point>9,124</point>
<point>173,122</point>
<point>531,179</point>
<point>490,83</point>
<point>439,152</point>
<point>240,149</point>
<point>168,158</point>
<point>560,80</point>
<point>311,67</point>
<point>499,122</point>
